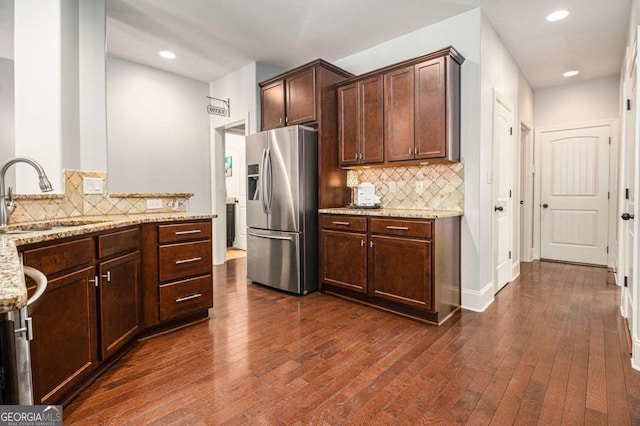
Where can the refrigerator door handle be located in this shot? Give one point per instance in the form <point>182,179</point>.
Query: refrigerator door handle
<point>269,173</point>
<point>270,237</point>
<point>262,177</point>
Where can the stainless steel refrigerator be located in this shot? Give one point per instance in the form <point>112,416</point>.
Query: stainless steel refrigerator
<point>282,209</point>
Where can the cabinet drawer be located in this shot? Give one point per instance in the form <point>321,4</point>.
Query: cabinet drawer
<point>409,228</point>
<point>185,297</point>
<point>184,232</point>
<point>344,223</point>
<point>59,257</point>
<point>118,242</point>
<point>185,260</point>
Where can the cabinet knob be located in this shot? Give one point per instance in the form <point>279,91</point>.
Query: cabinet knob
<point>626,216</point>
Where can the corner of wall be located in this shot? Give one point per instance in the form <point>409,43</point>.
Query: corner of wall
<point>477,301</point>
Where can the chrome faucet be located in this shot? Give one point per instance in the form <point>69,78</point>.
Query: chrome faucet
<point>7,208</point>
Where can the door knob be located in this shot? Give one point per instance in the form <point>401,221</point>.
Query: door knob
<point>545,205</point>
<point>626,216</point>
<point>498,208</point>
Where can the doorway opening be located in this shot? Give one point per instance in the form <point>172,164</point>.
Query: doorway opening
<point>236,192</point>
<point>228,188</point>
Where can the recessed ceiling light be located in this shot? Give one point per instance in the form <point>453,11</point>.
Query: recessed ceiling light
<point>558,15</point>
<point>571,73</point>
<point>167,54</point>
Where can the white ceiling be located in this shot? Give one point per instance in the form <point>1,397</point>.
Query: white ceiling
<point>214,37</point>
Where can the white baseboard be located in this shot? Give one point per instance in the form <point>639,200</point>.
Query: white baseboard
<point>477,301</point>
<point>635,358</point>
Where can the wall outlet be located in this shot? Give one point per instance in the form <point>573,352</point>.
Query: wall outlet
<point>419,186</point>
<point>92,185</point>
<point>392,186</point>
<point>154,203</point>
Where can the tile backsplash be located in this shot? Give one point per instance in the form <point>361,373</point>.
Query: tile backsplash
<point>430,187</point>
<point>74,203</point>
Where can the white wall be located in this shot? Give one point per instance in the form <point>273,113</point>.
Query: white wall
<point>158,130</point>
<point>92,81</point>
<point>7,136</point>
<point>57,42</point>
<point>38,94</point>
<point>462,32</point>
<point>590,100</point>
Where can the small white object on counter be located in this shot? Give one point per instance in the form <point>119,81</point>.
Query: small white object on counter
<point>367,194</point>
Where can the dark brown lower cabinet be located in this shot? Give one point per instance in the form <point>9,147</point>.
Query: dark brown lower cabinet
<point>409,266</point>
<point>344,259</point>
<point>64,351</point>
<point>119,302</point>
<point>401,270</point>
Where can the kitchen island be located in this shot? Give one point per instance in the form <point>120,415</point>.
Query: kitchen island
<point>402,260</point>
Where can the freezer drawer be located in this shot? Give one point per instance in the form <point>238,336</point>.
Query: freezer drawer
<point>273,259</point>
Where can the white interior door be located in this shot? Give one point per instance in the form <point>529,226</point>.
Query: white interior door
<point>574,194</point>
<point>628,208</point>
<point>629,229</point>
<point>503,187</point>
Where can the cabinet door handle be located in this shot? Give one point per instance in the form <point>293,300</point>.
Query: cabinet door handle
<point>281,119</point>
<point>195,231</point>
<point>371,244</point>
<point>361,243</point>
<point>342,223</point>
<point>398,228</point>
<point>184,299</point>
<point>193,259</point>
<point>95,281</point>
<point>107,276</point>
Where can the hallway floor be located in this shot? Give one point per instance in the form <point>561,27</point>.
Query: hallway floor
<point>550,350</point>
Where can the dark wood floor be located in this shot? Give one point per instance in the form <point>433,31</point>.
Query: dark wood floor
<point>550,350</point>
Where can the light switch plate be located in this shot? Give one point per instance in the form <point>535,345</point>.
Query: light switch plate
<point>419,186</point>
<point>392,186</point>
<point>154,203</point>
<point>92,185</point>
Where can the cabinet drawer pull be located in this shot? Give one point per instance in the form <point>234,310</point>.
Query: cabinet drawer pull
<point>398,228</point>
<point>195,231</point>
<point>342,223</point>
<point>193,259</point>
<point>184,299</point>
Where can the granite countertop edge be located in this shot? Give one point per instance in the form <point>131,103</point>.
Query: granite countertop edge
<point>401,213</point>
<point>13,291</point>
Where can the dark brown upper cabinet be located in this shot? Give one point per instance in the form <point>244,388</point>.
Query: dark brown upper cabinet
<point>420,110</point>
<point>296,96</point>
<point>361,122</point>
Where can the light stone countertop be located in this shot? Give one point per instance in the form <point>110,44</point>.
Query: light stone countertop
<point>402,213</point>
<point>13,291</point>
